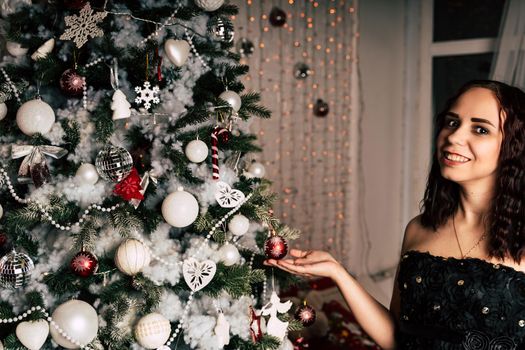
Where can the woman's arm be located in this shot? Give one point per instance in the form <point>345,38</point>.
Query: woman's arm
<point>373,317</point>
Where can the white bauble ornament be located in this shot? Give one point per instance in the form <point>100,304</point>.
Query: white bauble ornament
<point>152,331</point>
<point>3,110</point>
<point>43,50</point>
<point>87,174</point>
<point>132,256</point>
<point>196,151</point>
<point>177,51</point>
<point>180,208</point>
<point>233,99</point>
<point>257,169</point>
<point>229,254</point>
<point>239,225</point>
<point>1,211</point>
<point>15,49</point>
<point>209,5</point>
<point>32,334</point>
<point>78,320</point>
<point>35,116</point>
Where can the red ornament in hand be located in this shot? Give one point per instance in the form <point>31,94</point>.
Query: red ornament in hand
<point>84,264</point>
<point>276,247</point>
<point>305,314</point>
<point>72,83</point>
<point>130,188</point>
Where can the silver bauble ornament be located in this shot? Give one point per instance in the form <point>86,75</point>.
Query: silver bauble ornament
<point>15,269</point>
<point>152,331</point>
<point>245,47</point>
<point>257,170</point>
<point>114,163</point>
<point>196,151</point>
<point>35,116</point>
<point>180,208</point>
<point>301,71</point>
<point>233,99</point>
<point>239,225</point>
<point>86,174</point>
<point>132,256</point>
<point>177,51</point>
<point>221,29</point>
<point>209,5</point>
<point>3,110</point>
<point>229,254</point>
<point>78,320</point>
<point>15,49</point>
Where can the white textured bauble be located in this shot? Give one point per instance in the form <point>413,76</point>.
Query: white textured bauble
<point>1,211</point>
<point>257,169</point>
<point>87,174</point>
<point>209,5</point>
<point>152,331</point>
<point>233,99</point>
<point>78,320</point>
<point>239,225</point>
<point>177,51</point>
<point>3,110</point>
<point>132,256</point>
<point>15,49</point>
<point>180,208</point>
<point>32,334</point>
<point>35,116</point>
<point>196,151</point>
<point>229,254</point>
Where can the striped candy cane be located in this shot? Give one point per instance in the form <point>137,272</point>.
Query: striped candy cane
<point>216,133</point>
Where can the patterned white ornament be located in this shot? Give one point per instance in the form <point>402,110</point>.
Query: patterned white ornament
<point>147,95</point>
<point>222,331</point>
<point>228,197</point>
<point>152,330</point>
<point>209,5</point>
<point>276,327</point>
<point>198,274</point>
<point>32,334</point>
<point>83,26</point>
<point>43,50</point>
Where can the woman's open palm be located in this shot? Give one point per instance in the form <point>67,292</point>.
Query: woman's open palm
<point>307,263</point>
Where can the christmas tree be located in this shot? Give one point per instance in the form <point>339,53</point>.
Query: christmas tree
<point>131,216</point>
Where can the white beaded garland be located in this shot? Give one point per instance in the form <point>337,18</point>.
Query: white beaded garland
<point>12,86</point>
<point>193,49</point>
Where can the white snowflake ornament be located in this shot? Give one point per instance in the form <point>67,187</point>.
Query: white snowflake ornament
<point>83,26</point>
<point>228,197</point>
<point>147,95</point>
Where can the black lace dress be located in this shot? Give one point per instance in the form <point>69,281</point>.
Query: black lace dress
<point>449,303</point>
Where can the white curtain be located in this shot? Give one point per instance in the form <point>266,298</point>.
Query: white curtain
<point>310,159</point>
<point>509,59</point>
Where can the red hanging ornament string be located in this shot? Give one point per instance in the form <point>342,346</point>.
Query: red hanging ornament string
<point>159,64</point>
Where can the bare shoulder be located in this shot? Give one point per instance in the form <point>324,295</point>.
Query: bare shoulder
<point>416,235</point>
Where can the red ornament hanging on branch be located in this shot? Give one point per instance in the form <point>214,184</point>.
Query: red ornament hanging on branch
<point>305,314</point>
<point>130,187</point>
<point>72,83</point>
<point>84,264</point>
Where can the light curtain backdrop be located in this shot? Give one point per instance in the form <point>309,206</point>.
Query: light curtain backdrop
<point>311,160</point>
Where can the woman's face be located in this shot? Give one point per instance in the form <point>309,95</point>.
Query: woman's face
<point>470,141</point>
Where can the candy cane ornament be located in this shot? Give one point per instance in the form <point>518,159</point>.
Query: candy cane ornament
<point>224,135</point>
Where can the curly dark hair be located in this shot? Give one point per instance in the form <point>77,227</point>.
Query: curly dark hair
<point>505,220</point>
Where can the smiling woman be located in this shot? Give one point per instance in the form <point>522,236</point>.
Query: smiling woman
<point>460,278</point>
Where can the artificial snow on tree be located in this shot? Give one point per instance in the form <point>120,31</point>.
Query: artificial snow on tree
<point>125,261</point>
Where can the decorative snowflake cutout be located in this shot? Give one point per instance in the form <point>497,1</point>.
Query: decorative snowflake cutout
<point>83,26</point>
<point>147,95</point>
<point>228,197</point>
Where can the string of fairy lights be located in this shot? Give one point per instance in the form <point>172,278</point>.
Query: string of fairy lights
<point>307,157</point>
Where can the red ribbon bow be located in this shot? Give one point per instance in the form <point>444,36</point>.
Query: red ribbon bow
<point>129,188</point>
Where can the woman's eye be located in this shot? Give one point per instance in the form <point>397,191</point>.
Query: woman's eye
<point>481,130</point>
<point>451,123</point>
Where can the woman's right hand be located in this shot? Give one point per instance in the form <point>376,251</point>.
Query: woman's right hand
<point>312,263</point>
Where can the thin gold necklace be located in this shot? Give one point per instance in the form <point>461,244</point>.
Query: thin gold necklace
<point>459,245</point>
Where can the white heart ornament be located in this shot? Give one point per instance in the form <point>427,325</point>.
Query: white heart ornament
<point>32,334</point>
<point>228,197</point>
<point>177,51</point>
<point>198,274</point>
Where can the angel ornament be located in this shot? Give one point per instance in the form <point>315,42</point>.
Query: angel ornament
<point>275,326</point>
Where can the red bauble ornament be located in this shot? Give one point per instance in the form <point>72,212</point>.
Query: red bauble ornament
<point>276,247</point>
<point>277,17</point>
<point>72,83</point>
<point>305,314</point>
<point>130,188</point>
<point>84,264</point>
<point>75,4</point>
